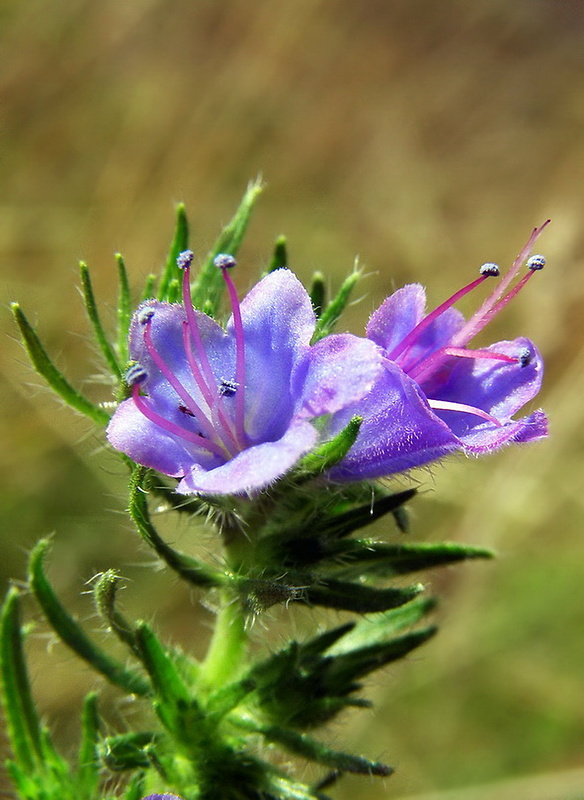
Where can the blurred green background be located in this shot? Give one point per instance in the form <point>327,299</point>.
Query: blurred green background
<point>423,137</point>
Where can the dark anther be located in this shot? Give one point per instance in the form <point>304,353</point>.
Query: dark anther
<point>536,262</point>
<point>224,261</point>
<point>185,259</point>
<point>228,388</point>
<point>524,357</point>
<point>145,315</point>
<point>490,269</point>
<point>135,374</point>
<point>186,410</point>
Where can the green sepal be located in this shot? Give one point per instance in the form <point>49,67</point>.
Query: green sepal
<point>89,767</point>
<point>22,719</point>
<point>124,308</point>
<point>187,567</point>
<point>208,287</point>
<point>126,751</point>
<point>348,596</point>
<point>70,632</point>
<point>149,292</point>
<point>359,557</point>
<point>318,293</point>
<point>95,320</point>
<point>104,595</point>
<point>280,255</point>
<point>180,242</point>
<point>331,314</point>
<point>328,454</point>
<point>56,380</point>
<point>303,745</point>
<point>343,524</point>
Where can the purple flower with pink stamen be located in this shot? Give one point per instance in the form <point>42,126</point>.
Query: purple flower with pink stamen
<point>436,395</point>
<point>229,411</point>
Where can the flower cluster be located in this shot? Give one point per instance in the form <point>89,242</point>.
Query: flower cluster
<point>229,411</point>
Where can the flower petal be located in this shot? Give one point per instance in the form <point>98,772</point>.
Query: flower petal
<point>399,431</point>
<point>338,371</point>
<point>148,444</point>
<point>399,314</point>
<point>255,468</point>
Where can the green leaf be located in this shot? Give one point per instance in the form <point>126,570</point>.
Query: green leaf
<point>104,594</point>
<point>330,316</point>
<point>187,567</point>
<point>89,771</point>
<point>45,367</point>
<point>304,745</point>
<point>126,751</point>
<point>94,318</point>
<point>366,557</point>
<point>124,308</point>
<point>346,522</point>
<point>72,634</point>
<point>330,453</point>
<point>318,293</point>
<point>208,288</point>
<point>344,669</point>
<point>349,596</point>
<point>381,628</point>
<point>21,716</point>
<point>280,255</point>
<point>180,242</point>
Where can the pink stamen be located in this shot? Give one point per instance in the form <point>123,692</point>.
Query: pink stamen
<point>172,428</point>
<point>224,262</point>
<point>425,368</point>
<point>478,321</point>
<point>413,335</point>
<point>445,405</point>
<point>203,374</point>
<point>220,420</point>
<point>184,395</point>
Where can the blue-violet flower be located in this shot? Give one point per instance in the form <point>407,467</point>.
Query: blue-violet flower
<point>229,411</point>
<point>436,395</point>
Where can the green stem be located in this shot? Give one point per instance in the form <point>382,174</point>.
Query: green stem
<point>227,648</point>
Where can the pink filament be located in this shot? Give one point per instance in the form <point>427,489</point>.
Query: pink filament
<point>171,427</point>
<point>445,405</point>
<point>425,368</point>
<point>239,359</point>
<point>412,336</point>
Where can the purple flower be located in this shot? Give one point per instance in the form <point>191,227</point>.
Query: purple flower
<point>436,395</point>
<point>228,411</point>
<point>162,797</point>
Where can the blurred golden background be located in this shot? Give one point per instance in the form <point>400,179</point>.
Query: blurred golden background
<point>425,138</point>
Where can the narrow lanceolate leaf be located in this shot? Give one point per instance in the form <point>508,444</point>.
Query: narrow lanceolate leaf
<point>45,367</point>
<point>93,315</point>
<point>180,242</point>
<point>21,717</point>
<point>208,288</point>
<point>379,628</point>
<point>89,769</point>
<point>329,453</point>
<point>70,632</point>
<point>331,314</point>
<point>349,596</point>
<point>318,293</point>
<point>361,556</point>
<point>280,255</point>
<point>303,745</point>
<point>124,309</point>
<point>187,567</point>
